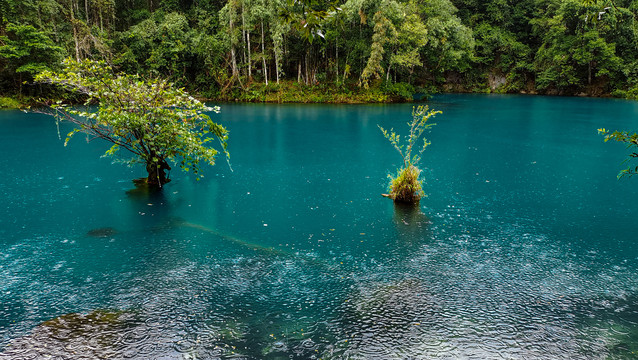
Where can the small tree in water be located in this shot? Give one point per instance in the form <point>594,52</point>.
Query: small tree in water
<point>150,118</point>
<point>406,186</point>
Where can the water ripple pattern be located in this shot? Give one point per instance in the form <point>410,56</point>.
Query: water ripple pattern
<point>524,248</point>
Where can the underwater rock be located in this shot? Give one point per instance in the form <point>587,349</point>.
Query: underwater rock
<point>78,336</point>
<point>102,232</point>
<point>103,334</point>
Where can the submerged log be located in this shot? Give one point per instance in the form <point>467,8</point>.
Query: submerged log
<point>102,232</point>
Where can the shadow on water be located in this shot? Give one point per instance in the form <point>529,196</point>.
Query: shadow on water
<point>152,207</point>
<point>151,204</point>
<point>409,219</point>
<point>413,228</point>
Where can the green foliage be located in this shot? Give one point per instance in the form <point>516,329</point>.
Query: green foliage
<point>150,118</point>
<point>627,94</point>
<point>294,92</point>
<point>450,42</point>
<point>407,186</point>
<point>384,32</point>
<point>160,46</point>
<point>9,103</point>
<point>221,48</point>
<point>578,48</point>
<point>411,39</point>
<point>500,50</point>
<point>402,90</point>
<point>26,51</point>
<point>308,16</point>
<point>631,141</point>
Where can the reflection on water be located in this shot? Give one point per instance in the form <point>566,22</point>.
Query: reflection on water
<point>295,254</point>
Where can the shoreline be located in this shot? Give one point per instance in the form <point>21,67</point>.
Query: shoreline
<point>310,95</point>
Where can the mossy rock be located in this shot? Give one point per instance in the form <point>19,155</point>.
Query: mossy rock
<point>87,336</point>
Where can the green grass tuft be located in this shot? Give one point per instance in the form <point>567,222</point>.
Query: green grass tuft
<point>406,187</point>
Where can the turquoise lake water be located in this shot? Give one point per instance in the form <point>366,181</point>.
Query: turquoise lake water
<point>525,247</point>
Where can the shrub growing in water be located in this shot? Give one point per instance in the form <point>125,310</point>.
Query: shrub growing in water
<point>406,186</point>
<point>151,119</point>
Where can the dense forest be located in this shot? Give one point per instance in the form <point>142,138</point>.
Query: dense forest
<point>270,49</point>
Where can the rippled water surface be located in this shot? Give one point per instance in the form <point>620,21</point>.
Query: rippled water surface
<point>525,248</point>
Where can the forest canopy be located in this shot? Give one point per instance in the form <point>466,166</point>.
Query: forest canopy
<point>243,49</point>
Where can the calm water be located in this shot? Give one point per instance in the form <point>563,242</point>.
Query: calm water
<point>524,249</point>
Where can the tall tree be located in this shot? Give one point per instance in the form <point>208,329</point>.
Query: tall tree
<point>26,51</point>
<point>574,50</point>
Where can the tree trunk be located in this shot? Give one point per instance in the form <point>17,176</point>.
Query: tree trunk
<point>307,74</point>
<point>39,18</point>
<point>86,10</point>
<point>157,174</point>
<point>250,60</point>
<point>231,28</point>
<point>263,52</point>
<point>337,60</point>
<point>277,66</point>
<point>75,31</point>
<point>234,60</point>
<point>243,32</point>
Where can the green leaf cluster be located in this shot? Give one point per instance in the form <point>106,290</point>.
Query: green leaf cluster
<point>27,51</point>
<point>631,141</point>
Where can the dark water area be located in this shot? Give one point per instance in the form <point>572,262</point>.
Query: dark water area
<point>525,247</point>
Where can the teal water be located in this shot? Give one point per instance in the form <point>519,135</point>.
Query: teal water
<point>525,247</point>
